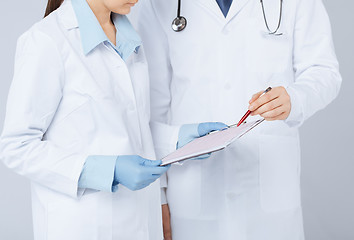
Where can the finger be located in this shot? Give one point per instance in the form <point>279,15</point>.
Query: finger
<point>279,117</point>
<point>255,97</point>
<point>205,128</point>
<point>167,166</point>
<point>151,163</point>
<point>141,186</point>
<point>275,103</point>
<point>148,180</point>
<point>269,96</point>
<point>153,178</point>
<point>157,170</point>
<point>273,113</point>
<point>156,176</point>
<point>204,156</point>
<point>131,187</point>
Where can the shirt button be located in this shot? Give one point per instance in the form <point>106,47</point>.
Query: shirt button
<point>227,86</point>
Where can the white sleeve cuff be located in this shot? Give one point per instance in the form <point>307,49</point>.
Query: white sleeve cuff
<point>163,196</point>
<point>296,116</point>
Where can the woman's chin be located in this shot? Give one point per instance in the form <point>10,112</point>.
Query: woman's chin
<point>124,10</point>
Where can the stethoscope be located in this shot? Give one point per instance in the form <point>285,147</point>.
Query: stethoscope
<point>275,32</point>
<point>180,22</point>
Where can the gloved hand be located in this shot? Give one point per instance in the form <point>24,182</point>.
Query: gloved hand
<point>135,172</point>
<point>189,132</point>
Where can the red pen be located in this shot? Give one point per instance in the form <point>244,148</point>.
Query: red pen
<point>249,112</point>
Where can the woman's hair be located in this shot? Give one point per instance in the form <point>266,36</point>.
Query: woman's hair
<point>52,6</point>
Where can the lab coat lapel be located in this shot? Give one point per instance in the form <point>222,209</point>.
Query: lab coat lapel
<point>97,82</point>
<point>236,7</point>
<point>67,16</point>
<point>212,6</point>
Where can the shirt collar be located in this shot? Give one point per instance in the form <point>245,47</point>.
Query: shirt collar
<point>92,34</point>
<point>127,39</point>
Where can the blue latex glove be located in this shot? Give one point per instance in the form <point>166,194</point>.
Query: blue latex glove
<point>135,172</point>
<point>189,132</point>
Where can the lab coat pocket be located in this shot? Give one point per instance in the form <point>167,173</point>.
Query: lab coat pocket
<point>279,173</point>
<point>184,189</point>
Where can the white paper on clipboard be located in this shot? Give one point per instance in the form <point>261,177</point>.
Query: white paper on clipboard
<point>209,143</point>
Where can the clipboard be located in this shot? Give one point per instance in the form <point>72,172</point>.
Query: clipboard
<point>213,142</point>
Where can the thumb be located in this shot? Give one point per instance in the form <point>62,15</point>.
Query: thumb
<point>151,163</point>
<point>255,97</point>
<point>205,128</point>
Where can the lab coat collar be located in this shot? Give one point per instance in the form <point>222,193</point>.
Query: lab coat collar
<point>127,39</point>
<point>235,8</point>
<point>67,15</point>
<point>78,14</point>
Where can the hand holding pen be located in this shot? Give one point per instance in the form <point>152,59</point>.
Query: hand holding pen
<point>243,119</point>
<point>272,105</point>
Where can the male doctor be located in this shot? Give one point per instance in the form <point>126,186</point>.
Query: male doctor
<point>215,70</point>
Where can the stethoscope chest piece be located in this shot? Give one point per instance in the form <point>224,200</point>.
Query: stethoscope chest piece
<point>179,23</point>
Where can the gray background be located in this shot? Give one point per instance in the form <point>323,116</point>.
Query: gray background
<point>327,138</point>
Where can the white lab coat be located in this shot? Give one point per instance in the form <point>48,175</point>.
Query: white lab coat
<point>208,72</point>
<point>64,106</point>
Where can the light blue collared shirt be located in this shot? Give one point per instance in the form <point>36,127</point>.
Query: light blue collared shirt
<point>98,171</point>
<point>92,34</point>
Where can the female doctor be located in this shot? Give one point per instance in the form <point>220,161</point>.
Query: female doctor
<point>77,125</point>
<point>207,67</point>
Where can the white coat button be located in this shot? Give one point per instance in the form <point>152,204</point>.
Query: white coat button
<point>227,86</point>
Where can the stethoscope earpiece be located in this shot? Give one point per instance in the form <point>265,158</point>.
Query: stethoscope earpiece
<point>179,23</point>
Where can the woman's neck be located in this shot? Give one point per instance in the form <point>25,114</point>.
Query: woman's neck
<point>103,15</point>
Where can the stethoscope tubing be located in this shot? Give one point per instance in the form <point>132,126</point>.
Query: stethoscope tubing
<point>179,19</point>
<point>279,22</point>
<point>180,22</point>
<point>179,9</point>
